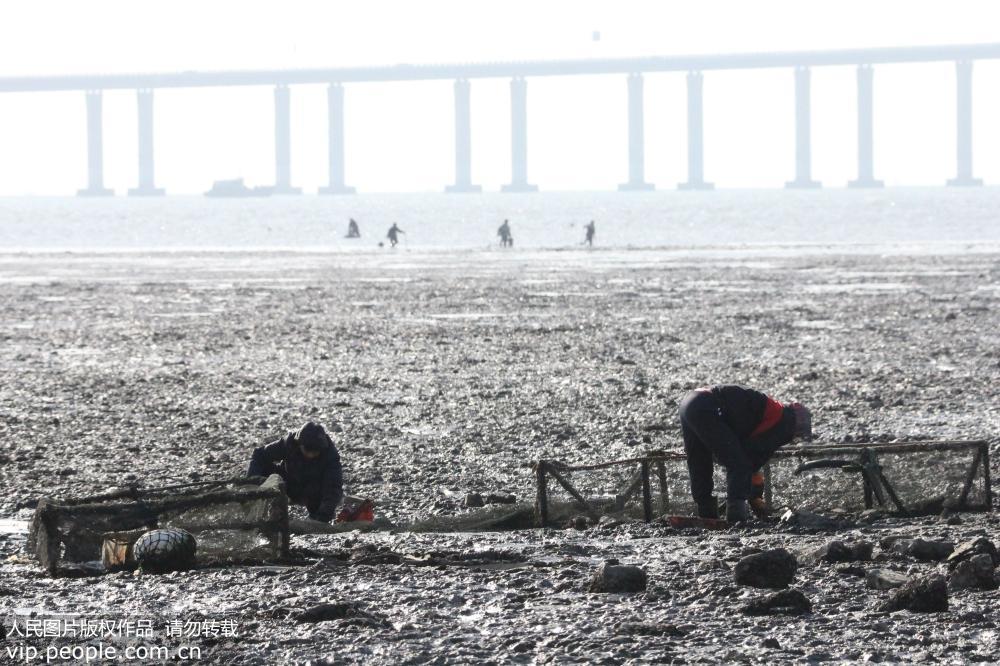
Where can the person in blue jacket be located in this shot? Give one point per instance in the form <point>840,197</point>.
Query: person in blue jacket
<point>310,465</point>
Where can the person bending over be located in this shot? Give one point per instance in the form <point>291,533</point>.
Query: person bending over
<point>740,428</point>
<point>310,465</point>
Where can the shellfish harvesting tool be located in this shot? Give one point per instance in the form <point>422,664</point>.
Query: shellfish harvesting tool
<point>866,463</point>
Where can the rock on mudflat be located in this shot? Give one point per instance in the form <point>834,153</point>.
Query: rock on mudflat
<point>473,501</point>
<point>618,578</point>
<point>839,551</point>
<point>812,521</point>
<point>786,602</point>
<point>339,611</point>
<point>772,569</point>
<point>925,551</point>
<point>974,573</point>
<point>500,498</point>
<point>650,629</point>
<point>920,595</point>
<point>969,549</point>
<point>325,612</point>
<point>885,579</point>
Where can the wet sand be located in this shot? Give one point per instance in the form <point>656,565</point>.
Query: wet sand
<point>448,373</point>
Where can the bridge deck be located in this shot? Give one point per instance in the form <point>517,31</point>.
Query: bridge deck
<point>403,72</point>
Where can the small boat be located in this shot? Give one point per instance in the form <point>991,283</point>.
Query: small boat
<point>237,188</point>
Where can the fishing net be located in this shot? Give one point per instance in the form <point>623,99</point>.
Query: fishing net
<point>926,478</point>
<point>237,520</point>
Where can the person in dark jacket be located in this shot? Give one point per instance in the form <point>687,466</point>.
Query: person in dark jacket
<point>506,238</point>
<point>393,234</point>
<point>740,428</point>
<point>309,463</point>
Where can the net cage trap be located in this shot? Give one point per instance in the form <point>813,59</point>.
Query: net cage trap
<point>902,478</point>
<point>233,521</point>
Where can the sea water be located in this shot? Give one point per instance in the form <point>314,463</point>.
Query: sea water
<point>910,217</point>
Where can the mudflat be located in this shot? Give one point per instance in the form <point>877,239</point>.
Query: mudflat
<point>448,373</point>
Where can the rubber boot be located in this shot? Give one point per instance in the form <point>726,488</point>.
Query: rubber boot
<point>736,511</point>
<point>709,509</point>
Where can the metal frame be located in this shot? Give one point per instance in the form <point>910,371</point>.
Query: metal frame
<point>867,453</point>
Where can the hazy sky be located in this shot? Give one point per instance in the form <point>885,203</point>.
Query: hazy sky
<point>400,136</point>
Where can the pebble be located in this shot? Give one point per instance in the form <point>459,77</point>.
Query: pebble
<point>771,569</point>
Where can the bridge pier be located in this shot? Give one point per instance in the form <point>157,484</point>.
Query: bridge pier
<point>963,126</point>
<point>866,131</point>
<point>636,138</point>
<point>335,117</point>
<point>696,175</point>
<point>283,141</point>
<point>519,138</point>
<point>95,148</point>
<point>803,132</point>
<point>463,139</point>
<point>147,181</point>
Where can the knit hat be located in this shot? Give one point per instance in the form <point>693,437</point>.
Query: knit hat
<point>803,420</point>
<point>312,437</point>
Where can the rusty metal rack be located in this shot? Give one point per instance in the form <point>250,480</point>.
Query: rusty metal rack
<point>866,463</point>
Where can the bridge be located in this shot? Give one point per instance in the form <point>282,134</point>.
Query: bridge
<point>800,63</point>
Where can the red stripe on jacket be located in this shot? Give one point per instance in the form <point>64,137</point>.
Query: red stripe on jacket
<point>772,415</point>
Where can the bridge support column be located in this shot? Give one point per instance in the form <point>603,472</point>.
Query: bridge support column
<point>696,168</point>
<point>95,148</point>
<point>463,139</point>
<point>335,115</point>
<point>519,138</point>
<point>866,131</point>
<point>147,182</point>
<point>283,141</point>
<point>963,126</point>
<point>803,132</point>
<point>636,138</point>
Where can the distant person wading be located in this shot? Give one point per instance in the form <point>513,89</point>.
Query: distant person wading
<point>352,229</point>
<point>393,234</point>
<point>506,238</point>
<point>590,234</point>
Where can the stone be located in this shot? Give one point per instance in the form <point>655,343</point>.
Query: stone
<point>786,602</point>
<point>885,579</point>
<point>650,629</point>
<point>770,569</point>
<point>578,523</point>
<point>325,612</point>
<point>838,551</point>
<point>810,520</point>
<point>473,501</point>
<point>928,594</point>
<point>502,498</point>
<point>340,611</point>
<point>771,643</point>
<point>851,570</point>
<point>969,549</point>
<point>871,515</point>
<point>925,551</point>
<point>974,573</point>
<point>618,578</point>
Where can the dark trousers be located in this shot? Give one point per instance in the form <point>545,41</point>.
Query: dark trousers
<point>306,496</point>
<point>708,437</point>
